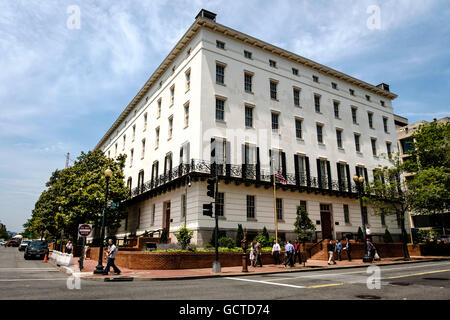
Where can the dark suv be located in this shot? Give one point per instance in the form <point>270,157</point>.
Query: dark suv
<point>36,249</point>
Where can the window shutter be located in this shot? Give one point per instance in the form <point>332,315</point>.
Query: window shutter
<point>213,156</point>
<point>366,176</point>
<point>308,173</point>
<point>338,166</point>
<point>244,162</point>
<point>330,187</point>
<point>258,165</point>
<point>349,179</point>
<point>180,167</point>
<point>271,166</point>
<point>297,174</point>
<point>228,158</point>
<point>283,164</point>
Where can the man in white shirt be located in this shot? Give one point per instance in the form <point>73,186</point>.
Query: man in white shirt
<point>111,256</point>
<point>276,252</point>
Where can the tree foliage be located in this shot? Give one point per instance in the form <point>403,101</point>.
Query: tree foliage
<point>184,236</point>
<point>76,195</point>
<point>239,235</point>
<point>303,226</point>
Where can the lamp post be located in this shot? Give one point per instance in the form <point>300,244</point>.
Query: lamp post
<point>359,185</point>
<point>99,268</point>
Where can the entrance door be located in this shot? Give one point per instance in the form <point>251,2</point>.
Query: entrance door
<point>325,221</point>
<point>166,216</point>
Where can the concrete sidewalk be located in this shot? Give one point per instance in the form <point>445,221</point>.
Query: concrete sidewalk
<point>311,265</point>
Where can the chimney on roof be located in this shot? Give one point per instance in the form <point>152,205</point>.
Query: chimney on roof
<point>206,14</point>
<point>383,86</point>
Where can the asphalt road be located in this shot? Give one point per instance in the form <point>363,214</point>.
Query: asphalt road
<point>33,279</point>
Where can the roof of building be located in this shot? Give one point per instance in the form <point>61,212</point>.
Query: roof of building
<point>206,19</point>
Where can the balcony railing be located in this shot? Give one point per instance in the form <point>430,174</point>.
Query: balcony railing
<point>246,172</point>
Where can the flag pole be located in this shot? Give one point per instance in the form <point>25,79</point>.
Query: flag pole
<point>275,205</point>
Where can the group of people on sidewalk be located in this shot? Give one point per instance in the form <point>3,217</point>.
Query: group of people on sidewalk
<point>292,253</point>
<point>336,247</point>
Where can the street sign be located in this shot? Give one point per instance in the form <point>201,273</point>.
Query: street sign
<point>84,230</point>
<point>113,205</point>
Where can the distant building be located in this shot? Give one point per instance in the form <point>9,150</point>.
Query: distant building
<point>262,109</point>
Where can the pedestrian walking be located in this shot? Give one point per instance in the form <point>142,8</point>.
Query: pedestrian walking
<point>297,253</point>
<point>289,249</point>
<point>252,255</point>
<point>370,248</point>
<point>276,252</point>
<point>111,257</point>
<point>330,249</point>
<point>69,247</point>
<point>258,250</point>
<point>338,249</point>
<point>348,249</point>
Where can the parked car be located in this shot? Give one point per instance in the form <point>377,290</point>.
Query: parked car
<point>24,244</point>
<point>13,243</point>
<point>36,249</point>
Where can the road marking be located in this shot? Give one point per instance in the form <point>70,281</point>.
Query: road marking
<point>265,282</point>
<point>13,280</point>
<point>43,269</point>
<point>417,274</point>
<point>328,285</point>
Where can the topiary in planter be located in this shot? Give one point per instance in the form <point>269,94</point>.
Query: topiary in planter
<point>226,242</point>
<point>387,237</point>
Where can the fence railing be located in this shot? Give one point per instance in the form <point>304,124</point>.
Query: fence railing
<point>248,172</point>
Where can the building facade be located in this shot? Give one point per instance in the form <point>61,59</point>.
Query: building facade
<point>260,109</point>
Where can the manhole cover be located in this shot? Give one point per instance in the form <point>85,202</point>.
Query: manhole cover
<point>368,297</point>
<point>440,279</point>
<point>404,284</point>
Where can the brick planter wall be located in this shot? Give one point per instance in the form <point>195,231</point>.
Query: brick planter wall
<point>385,250</point>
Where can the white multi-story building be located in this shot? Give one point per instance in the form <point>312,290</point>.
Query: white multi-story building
<point>258,106</point>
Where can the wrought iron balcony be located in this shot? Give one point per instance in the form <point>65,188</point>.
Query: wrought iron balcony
<point>244,173</point>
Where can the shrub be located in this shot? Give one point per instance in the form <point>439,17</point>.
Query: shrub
<point>226,242</point>
<point>265,234</point>
<point>360,235</point>
<point>239,235</point>
<point>387,237</point>
<point>184,236</point>
<point>222,234</point>
<point>262,240</point>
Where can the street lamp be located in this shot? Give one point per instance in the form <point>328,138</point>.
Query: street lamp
<point>99,268</point>
<point>359,185</point>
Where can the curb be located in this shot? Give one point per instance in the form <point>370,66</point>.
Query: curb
<point>138,278</point>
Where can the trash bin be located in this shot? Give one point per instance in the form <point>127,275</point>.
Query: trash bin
<point>150,246</point>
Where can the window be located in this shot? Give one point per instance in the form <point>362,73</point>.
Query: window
<point>115,150</point>
<point>385,125</point>
<point>279,209</point>
<point>220,73</point>
<point>155,167</point>
<point>351,91</point>
<point>186,115</point>
<point>247,82</point>
<point>169,135</point>
<point>168,164</point>
<point>129,183</point>
<point>365,217</point>
<point>336,109</point>
<point>250,207</point>
<point>124,140</point>
<point>407,145</point>
<point>315,78</point>
<point>346,214</point>
<point>295,72</point>
<point>319,133</point>
<point>354,118</point>
<point>247,54</point>
<point>296,97</point>
<point>172,95</point>
<point>220,109</point>
<point>143,149</point>
<point>303,204</point>
<point>183,205</point>
<point>357,145</point>
<point>298,128</point>
<point>273,63</point>
<point>188,79</point>
<point>339,138</point>
<point>145,121</point>
<point>323,181</point>
<point>334,85</point>
<point>152,220</point>
<point>388,149</point>
<point>220,151</point>
<point>370,117</point>
<point>342,176</point>
<point>273,90</point>
<point>248,116</point>
<point>374,146</point>
<point>141,180</point>
<point>220,44</point>
<point>157,138</point>
<point>317,103</point>
<point>382,103</point>
<point>220,204</point>
<point>367,97</point>
<point>184,153</point>
<point>301,162</point>
<point>275,124</point>
<point>131,157</point>
<point>158,111</point>
<point>134,133</point>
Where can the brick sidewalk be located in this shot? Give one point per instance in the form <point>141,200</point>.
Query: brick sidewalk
<point>89,267</point>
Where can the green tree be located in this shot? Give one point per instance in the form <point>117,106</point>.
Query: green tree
<point>265,234</point>
<point>184,236</point>
<point>239,235</point>
<point>303,226</point>
<point>388,195</point>
<point>76,195</point>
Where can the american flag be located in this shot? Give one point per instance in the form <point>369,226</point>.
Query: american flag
<point>280,176</point>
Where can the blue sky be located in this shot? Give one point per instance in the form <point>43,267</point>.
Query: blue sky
<point>61,89</point>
